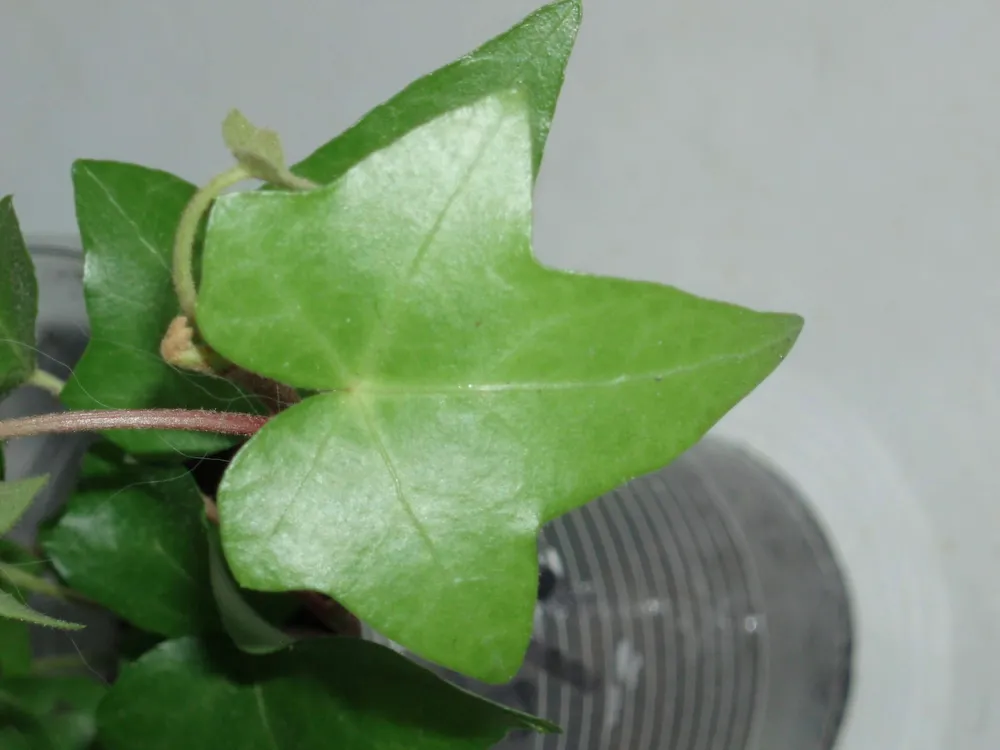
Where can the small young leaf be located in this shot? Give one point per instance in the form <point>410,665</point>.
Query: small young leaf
<point>65,709</point>
<point>18,302</point>
<point>531,56</point>
<point>135,545</point>
<point>248,629</point>
<point>12,608</point>
<point>15,498</point>
<point>472,394</point>
<point>332,692</point>
<point>257,149</point>
<point>127,216</point>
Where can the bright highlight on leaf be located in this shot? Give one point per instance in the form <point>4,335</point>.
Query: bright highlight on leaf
<point>471,394</point>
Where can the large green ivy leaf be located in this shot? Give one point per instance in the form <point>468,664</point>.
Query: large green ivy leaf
<point>18,302</point>
<point>133,541</point>
<point>127,216</point>
<point>63,710</point>
<point>471,393</point>
<point>531,56</point>
<point>332,692</point>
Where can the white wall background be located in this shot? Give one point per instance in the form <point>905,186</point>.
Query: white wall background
<point>839,159</point>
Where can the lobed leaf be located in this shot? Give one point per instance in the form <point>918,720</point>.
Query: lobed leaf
<point>470,394</point>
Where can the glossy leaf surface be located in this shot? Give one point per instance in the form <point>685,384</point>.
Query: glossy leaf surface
<point>18,302</point>
<point>133,541</point>
<point>531,56</point>
<point>334,692</point>
<point>128,216</point>
<point>471,393</point>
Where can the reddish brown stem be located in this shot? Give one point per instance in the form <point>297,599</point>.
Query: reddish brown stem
<point>194,420</point>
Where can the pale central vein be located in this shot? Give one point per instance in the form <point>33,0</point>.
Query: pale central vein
<point>397,483</point>
<point>380,389</point>
<point>377,340</point>
<point>262,708</point>
<point>131,222</point>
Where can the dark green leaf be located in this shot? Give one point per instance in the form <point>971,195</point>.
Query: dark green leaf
<point>136,546</point>
<point>12,608</point>
<point>64,708</point>
<point>248,629</point>
<point>473,394</point>
<point>127,216</point>
<point>15,498</point>
<point>18,302</point>
<point>15,648</point>
<point>531,56</point>
<point>333,692</point>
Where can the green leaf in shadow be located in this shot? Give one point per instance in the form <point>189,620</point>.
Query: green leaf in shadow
<point>248,629</point>
<point>331,692</point>
<point>63,709</point>
<point>132,541</point>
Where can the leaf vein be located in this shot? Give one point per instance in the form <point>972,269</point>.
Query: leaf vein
<point>131,222</point>
<point>377,340</point>
<point>567,385</point>
<point>397,483</point>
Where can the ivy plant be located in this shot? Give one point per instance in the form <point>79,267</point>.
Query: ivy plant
<point>384,396</point>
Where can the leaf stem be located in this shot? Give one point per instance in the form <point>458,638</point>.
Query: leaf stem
<point>292,181</point>
<point>187,230</point>
<point>47,382</point>
<point>194,420</point>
